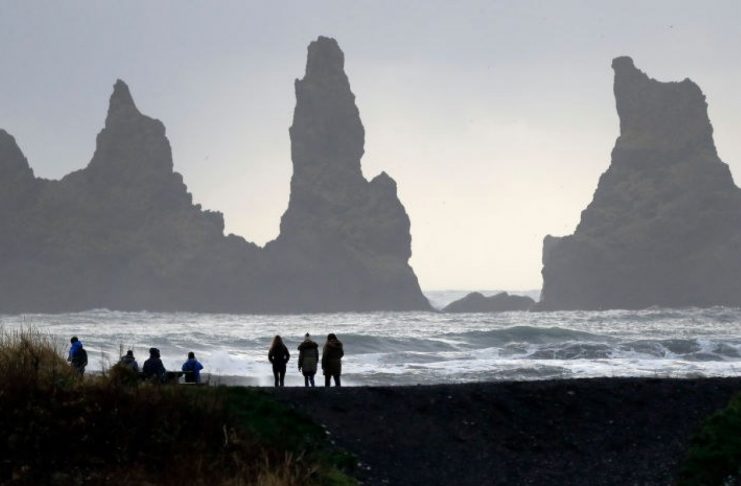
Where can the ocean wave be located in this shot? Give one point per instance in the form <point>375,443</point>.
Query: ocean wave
<point>523,334</point>
<point>573,351</point>
<point>424,347</point>
<point>361,344</point>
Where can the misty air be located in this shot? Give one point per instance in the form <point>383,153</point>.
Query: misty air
<point>345,243</point>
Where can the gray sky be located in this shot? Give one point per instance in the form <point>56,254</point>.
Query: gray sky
<point>495,118</point>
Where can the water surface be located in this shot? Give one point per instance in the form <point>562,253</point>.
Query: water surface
<point>422,347</point>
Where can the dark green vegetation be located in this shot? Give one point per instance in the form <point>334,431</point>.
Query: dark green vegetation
<point>59,429</point>
<point>715,454</point>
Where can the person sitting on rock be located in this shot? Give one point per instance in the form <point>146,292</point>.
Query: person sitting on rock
<point>192,369</point>
<point>308,359</point>
<point>153,368</point>
<point>332,354</point>
<point>278,356</point>
<point>128,361</point>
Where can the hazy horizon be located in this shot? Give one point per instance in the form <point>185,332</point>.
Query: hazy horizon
<point>495,119</point>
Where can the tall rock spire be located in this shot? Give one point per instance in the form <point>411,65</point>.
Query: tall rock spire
<point>327,136</point>
<point>350,236</point>
<point>121,106</point>
<point>664,226</point>
<point>132,148</point>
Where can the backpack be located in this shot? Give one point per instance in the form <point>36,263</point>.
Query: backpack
<point>79,360</point>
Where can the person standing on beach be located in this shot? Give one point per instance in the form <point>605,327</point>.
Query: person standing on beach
<point>332,354</point>
<point>308,358</point>
<point>153,368</point>
<point>278,356</point>
<point>192,369</point>
<point>77,355</point>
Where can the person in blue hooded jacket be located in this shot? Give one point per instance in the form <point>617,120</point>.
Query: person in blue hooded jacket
<point>192,369</point>
<point>75,345</point>
<point>77,355</point>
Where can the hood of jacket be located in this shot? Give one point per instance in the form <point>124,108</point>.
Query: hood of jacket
<point>307,345</point>
<point>334,344</point>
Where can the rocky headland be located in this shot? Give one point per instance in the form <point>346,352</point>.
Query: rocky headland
<point>123,233</point>
<point>664,226</point>
<point>501,302</point>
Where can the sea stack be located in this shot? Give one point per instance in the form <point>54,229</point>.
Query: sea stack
<point>664,226</point>
<point>344,242</point>
<point>124,233</point>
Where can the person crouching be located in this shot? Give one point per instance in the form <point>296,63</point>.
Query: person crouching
<point>129,362</point>
<point>153,368</point>
<point>192,369</point>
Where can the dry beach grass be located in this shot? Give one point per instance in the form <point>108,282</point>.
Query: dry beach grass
<point>60,429</point>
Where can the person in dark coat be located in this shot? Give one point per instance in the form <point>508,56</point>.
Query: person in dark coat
<point>279,356</point>
<point>77,355</point>
<point>192,369</point>
<point>308,359</point>
<point>332,354</point>
<point>153,368</point>
<point>128,361</point>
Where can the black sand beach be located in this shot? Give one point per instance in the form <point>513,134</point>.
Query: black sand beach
<point>610,431</point>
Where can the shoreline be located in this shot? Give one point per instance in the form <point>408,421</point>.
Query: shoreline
<point>266,381</point>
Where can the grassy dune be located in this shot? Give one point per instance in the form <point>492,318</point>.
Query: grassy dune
<point>60,429</point>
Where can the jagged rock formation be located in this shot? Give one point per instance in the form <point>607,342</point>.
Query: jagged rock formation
<point>123,233</point>
<point>664,227</point>
<point>341,238</point>
<point>501,302</point>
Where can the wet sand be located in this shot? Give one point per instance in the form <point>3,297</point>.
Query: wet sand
<point>602,431</point>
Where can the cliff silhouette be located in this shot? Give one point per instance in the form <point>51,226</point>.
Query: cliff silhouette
<point>664,226</point>
<point>123,233</point>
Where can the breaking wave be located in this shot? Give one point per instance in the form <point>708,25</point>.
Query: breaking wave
<point>409,348</point>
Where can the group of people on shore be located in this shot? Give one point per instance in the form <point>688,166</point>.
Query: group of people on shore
<point>153,368</point>
<point>278,355</point>
<point>308,360</point>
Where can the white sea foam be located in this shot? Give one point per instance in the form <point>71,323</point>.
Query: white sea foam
<point>414,347</point>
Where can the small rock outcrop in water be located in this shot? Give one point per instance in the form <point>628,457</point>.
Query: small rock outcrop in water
<point>664,226</point>
<point>123,233</point>
<point>501,302</point>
